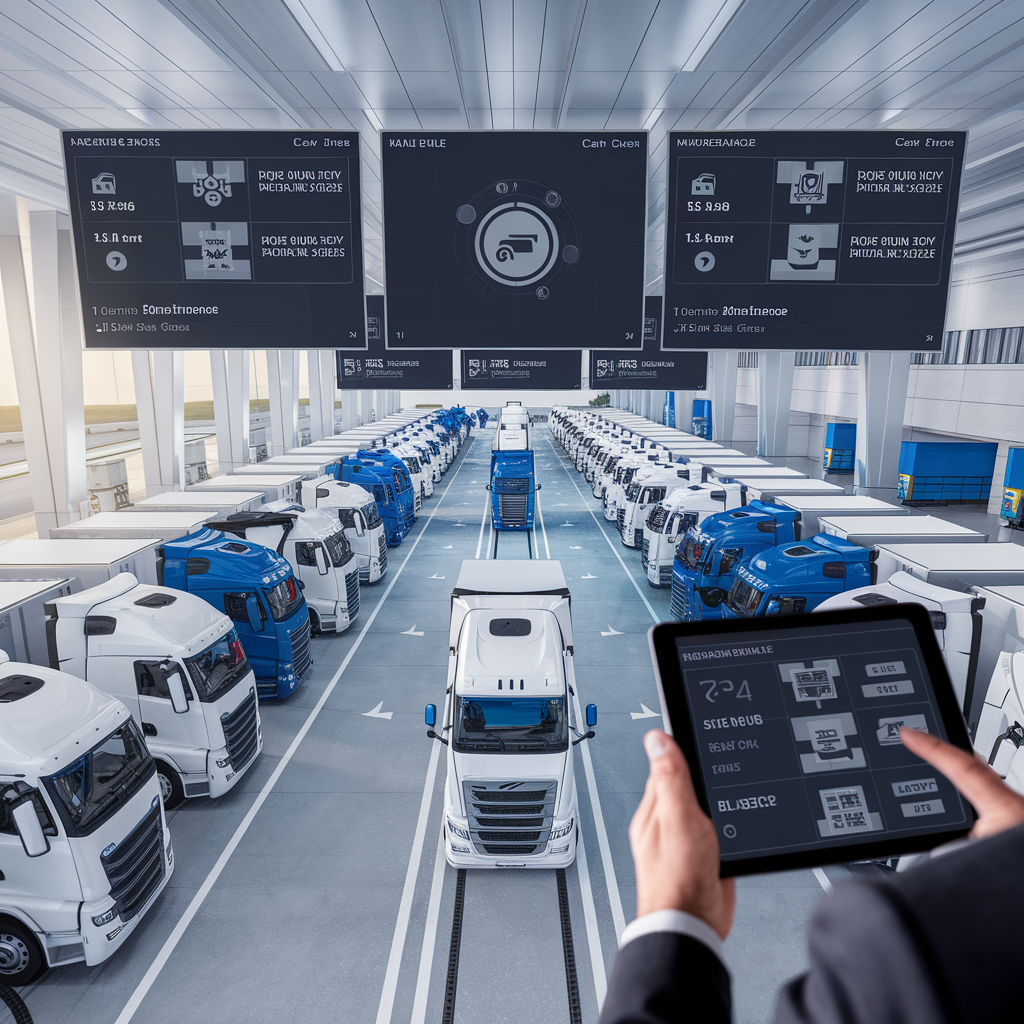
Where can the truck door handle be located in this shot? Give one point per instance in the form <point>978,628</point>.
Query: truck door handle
<point>148,729</point>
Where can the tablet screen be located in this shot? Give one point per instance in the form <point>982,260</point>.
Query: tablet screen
<point>797,735</point>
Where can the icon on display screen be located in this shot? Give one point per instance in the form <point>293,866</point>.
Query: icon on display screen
<point>116,260</point>
<point>210,179</point>
<point>809,180</point>
<point>104,184</point>
<point>803,260</point>
<point>704,261</point>
<point>516,237</point>
<point>703,185</point>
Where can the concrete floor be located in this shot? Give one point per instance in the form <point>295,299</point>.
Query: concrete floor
<point>316,890</point>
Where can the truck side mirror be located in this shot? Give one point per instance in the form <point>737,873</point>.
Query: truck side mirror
<point>430,715</point>
<point>252,609</point>
<point>359,523</point>
<point>537,488</point>
<point>176,688</point>
<point>30,832</point>
<point>321,560</point>
<point>591,715</point>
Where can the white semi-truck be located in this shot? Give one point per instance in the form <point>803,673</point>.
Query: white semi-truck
<point>177,664</point>
<point>511,718</point>
<point>356,509</point>
<point>84,846</point>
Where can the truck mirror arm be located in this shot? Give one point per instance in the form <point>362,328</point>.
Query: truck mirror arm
<point>434,736</point>
<point>588,735</point>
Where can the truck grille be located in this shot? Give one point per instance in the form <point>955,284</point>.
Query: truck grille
<point>382,545</point>
<point>352,594</point>
<point>417,500</point>
<point>512,509</point>
<point>241,732</point>
<point>135,867</point>
<point>645,552</point>
<point>302,654</point>
<point>677,608</point>
<point>665,575</point>
<point>501,805</point>
<point>620,518</point>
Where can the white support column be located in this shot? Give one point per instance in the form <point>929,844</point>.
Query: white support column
<point>283,385</point>
<point>365,407</point>
<point>883,380</point>
<point>160,402</point>
<point>657,401</point>
<point>722,367</point>
<point>230,372</point>
<point>328,390</point>
<point>774,399</point>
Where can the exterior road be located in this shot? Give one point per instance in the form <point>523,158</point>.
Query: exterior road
<point>315,890</point>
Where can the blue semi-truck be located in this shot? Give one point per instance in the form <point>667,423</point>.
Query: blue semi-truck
<point>709,554</point>
<point>513,488</point>
<point>390,487</point>
<point>797,577</point>
<point>257,589</point>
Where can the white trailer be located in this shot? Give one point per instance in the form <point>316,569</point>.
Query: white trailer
<point>950,565</point>
<point>753,472</point>
<point>92,561</point>
<point>177,664</point>
<point>511,718</point>
<point>811,508</point>
<point>217,502</point>
<point>85,848</point>
<point>307,469</point>
<point>870,531</point>
<point>771,488</point>
<point>356,510</point>
<point>132,525</point>
<point>23,616</point>
<point>273,486</point>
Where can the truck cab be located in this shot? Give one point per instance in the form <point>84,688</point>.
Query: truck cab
<point>317,550</point>
<point>797,577</point>
<point>649,486</point>
<point>620,478</point>
<point>671,517</point>
<point>83,842</point>
<point>418,468</point>
<point>256,588</point>
<point>511,718</point>
<point>177,664</point>
<point>380,483</point>
<point>956,618</point>
<point>357,512</point>
<point>707,557</point>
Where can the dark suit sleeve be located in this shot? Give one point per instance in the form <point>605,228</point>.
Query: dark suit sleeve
<point>664,977</point>
<point>868,965</point>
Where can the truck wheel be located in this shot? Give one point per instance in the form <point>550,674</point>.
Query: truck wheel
<point>21,959</point>
<point>171,791</point>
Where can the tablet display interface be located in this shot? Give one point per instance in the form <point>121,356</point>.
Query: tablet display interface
<point>797,737</point>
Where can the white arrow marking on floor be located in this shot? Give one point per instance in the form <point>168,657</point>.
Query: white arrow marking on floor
<point>588,577</point>
<point>575,547</point>
<point>377,713</point>
<point>459,524</point>
<point>568,524</point>
<point>644,712</point>
<point>611,632</point>
<point>411,631</point>
<point>435,577</point>
<point>447,547</point>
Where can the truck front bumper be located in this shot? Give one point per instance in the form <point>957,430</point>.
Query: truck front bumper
<point>460,854</point>
<point>223,776</point>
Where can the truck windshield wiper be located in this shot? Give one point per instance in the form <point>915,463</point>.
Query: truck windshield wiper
<point>498,739</point>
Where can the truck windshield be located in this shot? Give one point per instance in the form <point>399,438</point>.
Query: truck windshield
<point>218,668</point>
<point>693,550</point>
<point>88,791</point>
<point>401,480</point>
<point>510,725</point>
<point>743,599</point>
<point>338,548</point>
<point>283,599</point>
<point>371,515</point>
<point>413,463</point>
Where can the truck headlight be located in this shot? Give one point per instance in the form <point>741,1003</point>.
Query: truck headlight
<point>224,762</point>
<point>459,849</point>
<point>101,919</point>
<point>462,833</point>
<point>564,830</point>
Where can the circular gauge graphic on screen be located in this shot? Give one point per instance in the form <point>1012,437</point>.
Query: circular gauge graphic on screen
<point>516,237</point>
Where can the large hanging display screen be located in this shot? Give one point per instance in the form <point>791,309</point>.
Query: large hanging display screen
<point>543,370</point>
<point>217,239</point>
<point>651,368</point>
<point>837,240</point>
<point>506,240</point>
<point>379,368</point>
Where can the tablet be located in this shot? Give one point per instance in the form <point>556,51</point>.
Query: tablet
<point>790,725</point>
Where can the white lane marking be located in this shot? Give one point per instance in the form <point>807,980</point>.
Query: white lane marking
<point>419,1003</point>
<point>614,899</point>
<point>543,532</point>
<point>822,879</point>
<point>625,569</point>
<point>480,539</point>
<point>412,631</point>
<point>610,631</point>
<point>158,964</point>
<point>644,712</point>
<point>590,917</point>
<point>377,713</point>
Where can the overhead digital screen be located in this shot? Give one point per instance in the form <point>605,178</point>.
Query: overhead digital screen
<point>651,368</point>
<point>524,371</point>
<point>810,239</point>
<point>509,240</point>
<point>217,239</point>
<point>378,368</point>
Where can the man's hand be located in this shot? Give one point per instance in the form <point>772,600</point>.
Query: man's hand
<point>998,806</point>
<point>675,847</point>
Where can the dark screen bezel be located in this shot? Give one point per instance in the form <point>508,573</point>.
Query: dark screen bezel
<point>679,722</point>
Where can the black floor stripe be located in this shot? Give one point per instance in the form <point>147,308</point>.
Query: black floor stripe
<point>452,980</point>
<point>571,982</point>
